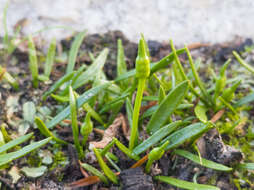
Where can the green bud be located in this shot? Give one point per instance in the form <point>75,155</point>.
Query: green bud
<point>142,60</point>
<point>229,93</point>
<point>87,126</point>
<point>158,152</point>
<point>154,155</point>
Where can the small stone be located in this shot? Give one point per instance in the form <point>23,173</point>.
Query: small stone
<point>135,179</point>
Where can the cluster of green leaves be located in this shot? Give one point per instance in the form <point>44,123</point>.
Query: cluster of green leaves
<point>174,89</point>
<point>11,43</point>
<point>6,156</point>
<point>173,92</point>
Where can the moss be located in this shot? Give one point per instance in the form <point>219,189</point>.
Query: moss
<point>59,160</point>
<point>34,159</point>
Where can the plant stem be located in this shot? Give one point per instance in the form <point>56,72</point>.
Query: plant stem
<point>138,100</point>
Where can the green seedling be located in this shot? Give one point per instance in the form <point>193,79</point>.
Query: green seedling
<point>204,162</point>
<point>180,69</point>
<point>185,184</point>
<point>197,78</point>
<point>112,163</point>
<point>46,132</point>
<point>50,59</point>
<point>229,93</point>
<point>154,155</point>
<point>86,128</point>
<point>6,158</point>
<point>85,97</point>
<point>200,112</point>
<point>7,76</point>
<point>126,151</point>
<point>107,171</point>
<point>108,147</point>
<point>91,72</point>
<point>153,109</point>
<point>74,51</point>
<point>167,107</point>
<point>96,172</point>
<point>13,143</point>
<point>245,100</point>
<point>121,64</point>
<point>57,85</point>
<point>142,73</point>
<point>246,166</point>
<point>156,137</point>
<point>74,123</point>
<point>33,63</point>
<point>243,63</point>
<point>180,136</point>
<point>221,81</point>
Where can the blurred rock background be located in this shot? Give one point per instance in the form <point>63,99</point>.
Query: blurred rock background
<point>183,21</point>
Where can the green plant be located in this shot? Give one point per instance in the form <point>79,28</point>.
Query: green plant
<point>74,123</point>
<point>5,158</point>
<point>173,108</point>
<point>172,97</point>
<point>142,72</point>
<point>6,76</point>
<point>155,155</point>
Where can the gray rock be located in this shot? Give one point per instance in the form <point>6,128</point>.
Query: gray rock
<point>184,22</point>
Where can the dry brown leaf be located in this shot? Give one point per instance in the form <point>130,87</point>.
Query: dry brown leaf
<point>217,116</point>
<point>85,182</point>
<point>125,128</point>
<point>83,171</point>
<point>144,108</point>
<point>197,45</point>
<point>109,133</point>
<point>140,162</point>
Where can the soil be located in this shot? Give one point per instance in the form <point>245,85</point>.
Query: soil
<point>211,143</point>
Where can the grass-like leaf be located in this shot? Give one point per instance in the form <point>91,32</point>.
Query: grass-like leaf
<point>74,51</point>
<point>153,109</point>
<point>196,76</point>
<point>156,137</point>
<point>245,100</point>
<point>108,106</point>
<point>243,63</point>
<point>15,142</point>
<point>85,97</point>
<point>107,171</point>
<point>60,82</point>
<point>247,166</point>
<point>92,70</point>
<point>74,123</point>
<point>180,136</point>
<point>50,58</point>
<point>6,158</point>
<point>7,76</point>
<point>167,107</point>
<point>46,132</point>
<point>125,150</point>
<point>129,110</point>
<point>121,64</point>
<point>33,63</point>
<point>205,163</point>
<point>96,172</point>
<point>200,112</point>
<point>185,184</point>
